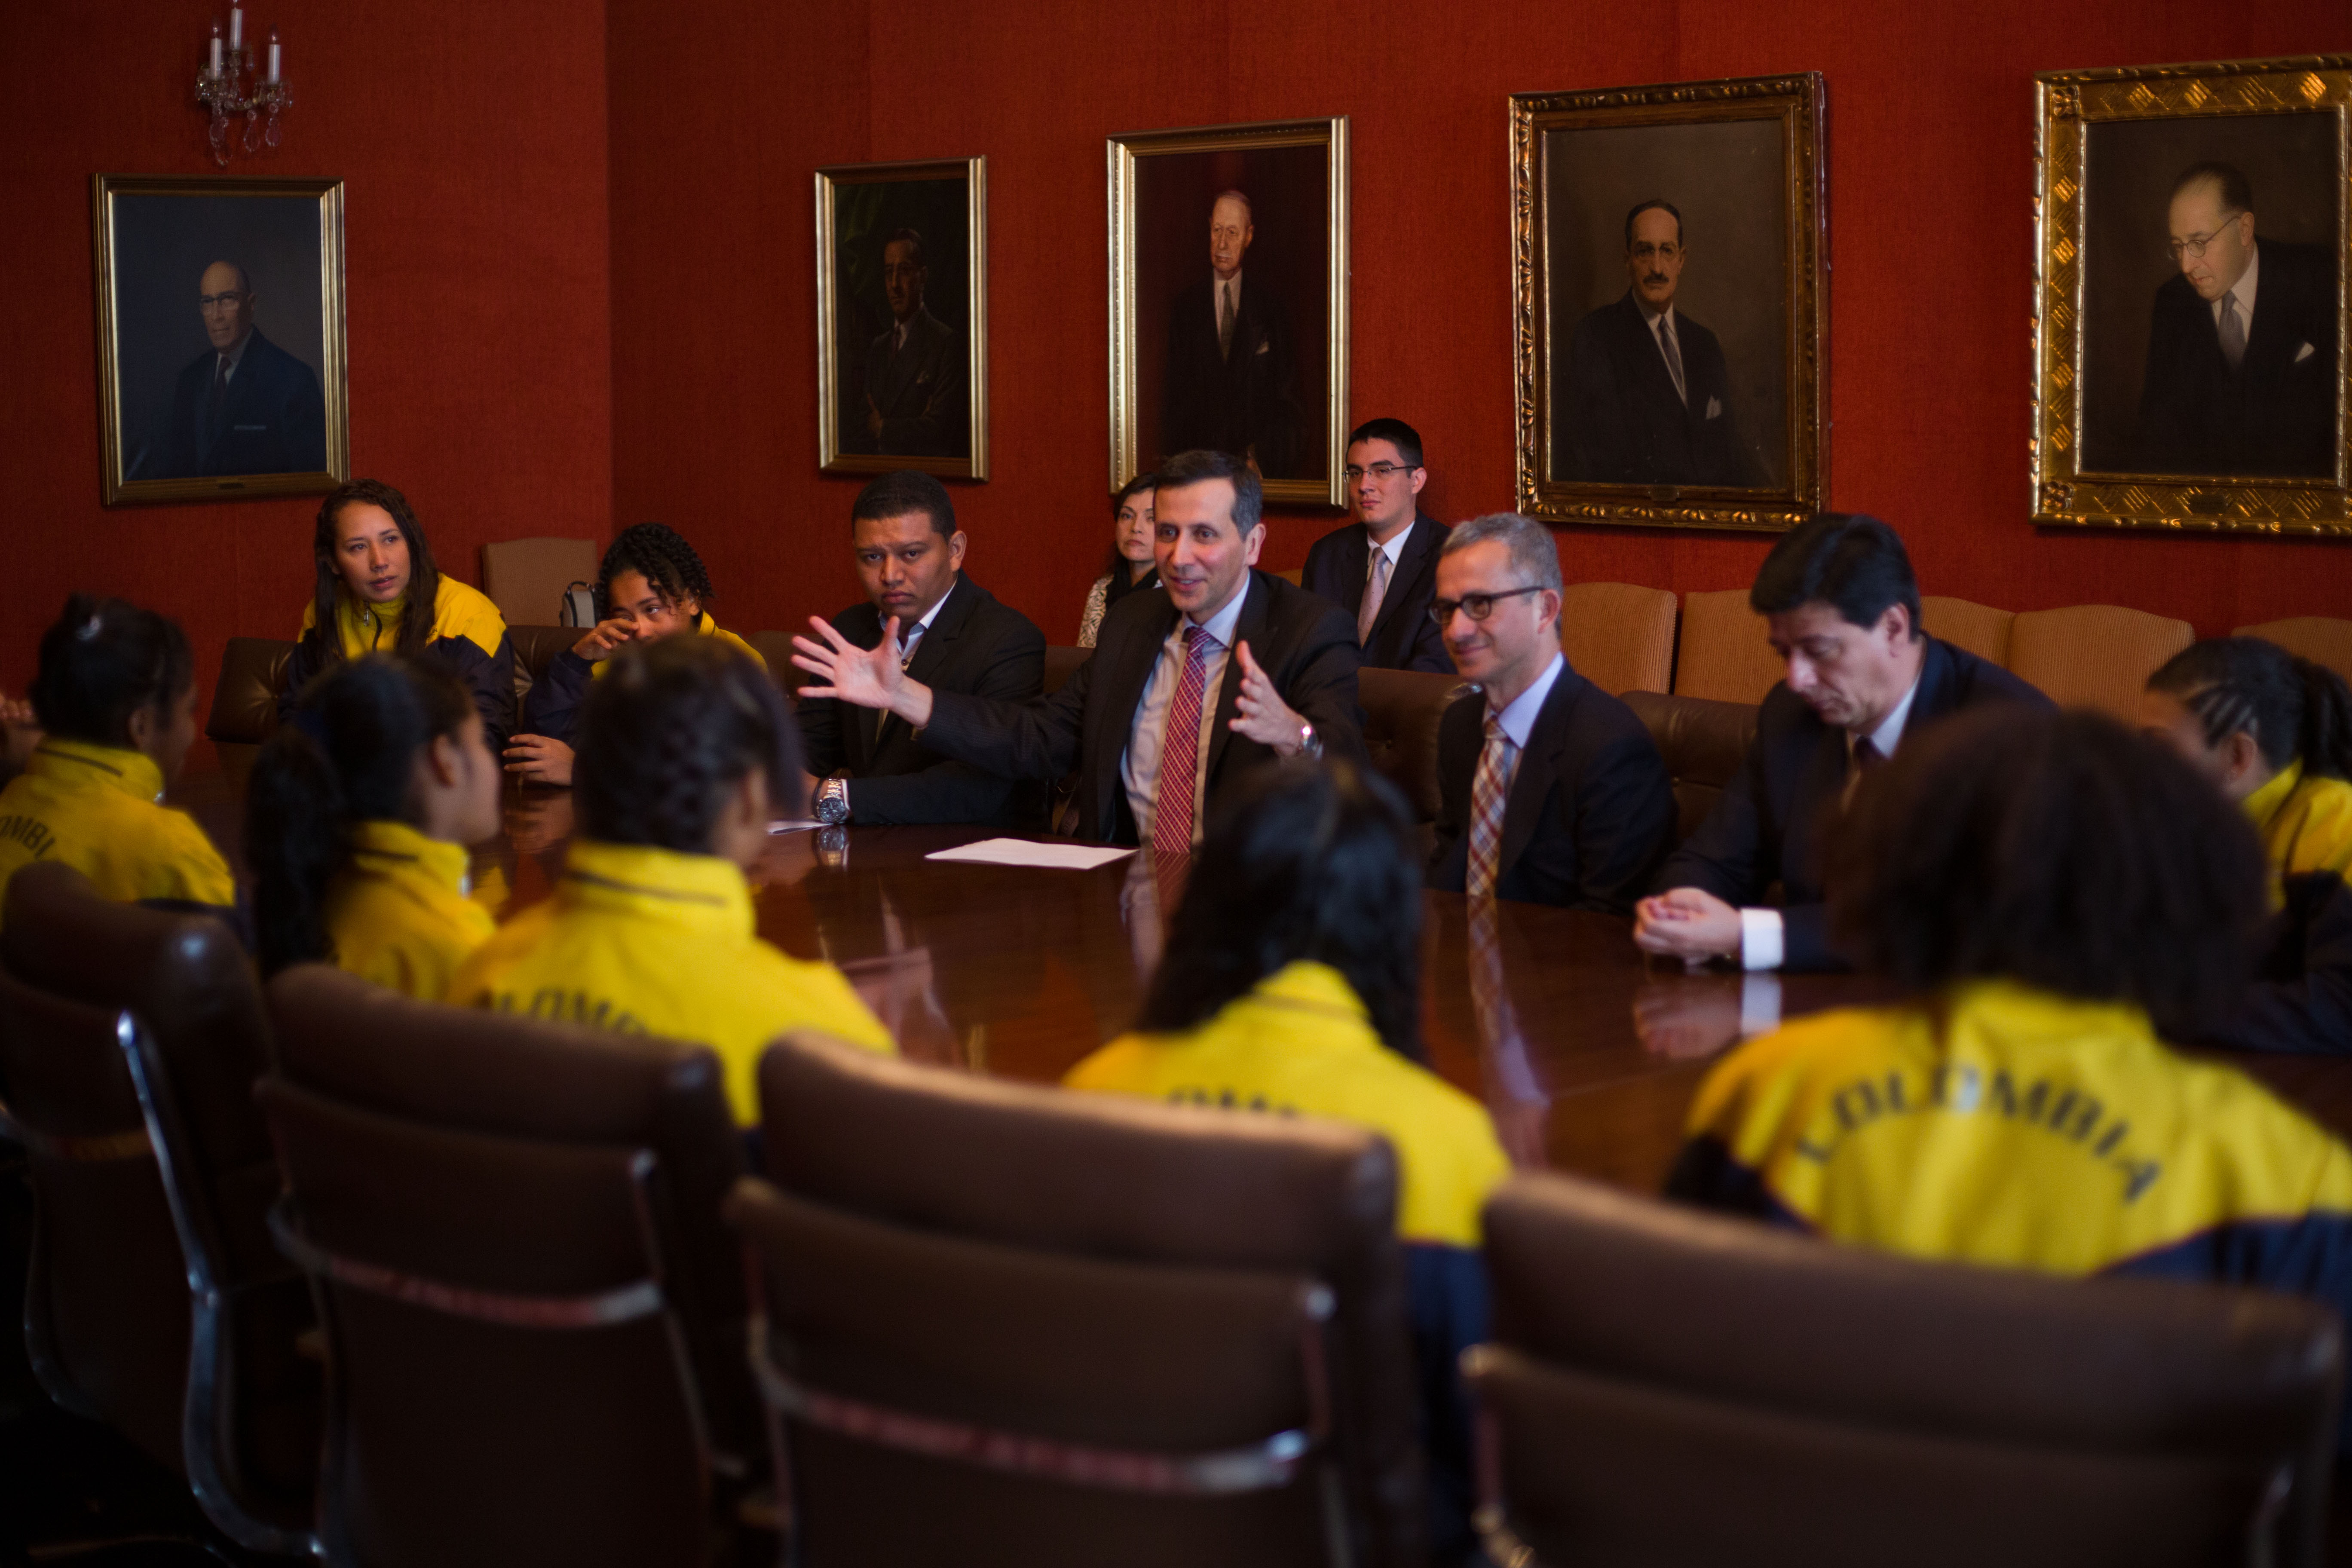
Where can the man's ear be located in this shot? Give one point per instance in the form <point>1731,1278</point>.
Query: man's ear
<point>1895,625</point>
<point>1253,544</point>
<point>956,543</point>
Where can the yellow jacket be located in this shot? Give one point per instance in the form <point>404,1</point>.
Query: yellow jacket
<point>459,610</point>
<point>650,941</point>
<point>399,913</point>
<point>1301,1043</point>
<point>100,809</point>
<point>2306,822</point>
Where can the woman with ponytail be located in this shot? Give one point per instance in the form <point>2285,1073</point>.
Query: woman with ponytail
<point>357,820</point>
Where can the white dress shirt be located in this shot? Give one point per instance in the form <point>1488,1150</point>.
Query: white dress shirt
<point>1518,718</point>
<point>1658,324</point>
<point>909,636</point>
<point>1139,767</point>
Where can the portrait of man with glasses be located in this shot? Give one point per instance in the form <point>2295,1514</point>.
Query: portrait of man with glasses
<point>243,405</point>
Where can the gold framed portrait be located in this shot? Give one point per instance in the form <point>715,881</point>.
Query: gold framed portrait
<point>1229,301</point>
<point>2192,247</point>
<point>1630,206</point>
<point>902,318</point>
<point>221,366</point>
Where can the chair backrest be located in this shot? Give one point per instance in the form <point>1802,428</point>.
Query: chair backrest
<point>1402,709</point>
<point>2093,655</point>
<point>1293,576</point>
<point>535,647</point>
<point>1703,743</point>
<point>1061,663</point>
<point>2323,639</point>
<point>1835,1405</point>
<point>244,698</point>
<point>1980,628</point>
<point>776,649</point>
<point>1619,637</point>
<point>525,578</point>
<point>177,996</point>
<point>1722,654</point>
<point>1025,1193</point>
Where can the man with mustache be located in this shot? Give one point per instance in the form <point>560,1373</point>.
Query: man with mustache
<point>1647,399</point>
<point>914,400</point>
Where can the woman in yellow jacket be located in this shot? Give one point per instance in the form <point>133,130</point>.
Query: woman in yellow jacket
<point>357,821</point>
<point>116,698</point>
<point>1291,985</point>
<point>686,753</point>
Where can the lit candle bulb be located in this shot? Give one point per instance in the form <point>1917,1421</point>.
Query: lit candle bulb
<point>215,44</point>
<point>273,54</point>
<point>237,28</point>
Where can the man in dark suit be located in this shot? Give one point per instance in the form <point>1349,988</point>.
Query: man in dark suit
<point>1842,608</point>
<point>1648,397</point>
<point>915,371</point>
<point>1383,567</point>
<point>1221,669</point>
<point>2241,372</point>
<point>243,405</point>
<point>1551,791</point>
<point>952,635</point>
<point>1228,379</point>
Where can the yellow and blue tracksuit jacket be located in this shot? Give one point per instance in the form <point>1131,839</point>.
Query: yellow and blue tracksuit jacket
<point>469,640</point>
<point>2302,1000</point>
<point>100,809</point>
<point>1999,1124</point>
<point>2306,822</point>
<point>1302,1044</point>
<point>651,941</point>
<point>400,912</point>
<point>552,709</point>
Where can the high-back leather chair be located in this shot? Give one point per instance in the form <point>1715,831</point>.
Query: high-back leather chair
<point>1722,654</point>
<point>1980,628</point>
<point>776,649</point>
<point>244,698</point>
<point>2323,639</point>
<point>1022,1324</point>
<point>1703,743</point>
<point>129,1042</point>
<point>1402,709</point>
<point>535,647</point>
<point>1619,637</point>
<point>1667,1388</point>
<point>2093,655</point>
<point>534,1313</point>
<point>525,578</point>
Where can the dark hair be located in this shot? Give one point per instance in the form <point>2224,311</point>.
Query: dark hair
<point>2237,193</point>
<point>347,755</point>
<point>1309,861</point>
<point>1658,205</point>
<point>668,733</point>
<point>2292,707</point>
<point>657,552</point>
<point>102,661</point>
<point>2061,850</point>
<point>1114,563</point>
<point>424,590</point>
<point>901,491</point>
<point>908,237</point>
<point>1396,433</point>
<point>1855,564</point>
<point>1186,469</point>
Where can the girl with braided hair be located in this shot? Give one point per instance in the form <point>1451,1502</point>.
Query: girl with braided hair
<point>652,586</point>
<point>686,752</point>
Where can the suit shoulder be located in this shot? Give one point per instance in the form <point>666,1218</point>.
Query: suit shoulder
<point>1977,679</point>
<point>1329,546</point>
<point>1601,717</point>
<point>859,619</point>
<point>1003,622</point>
<point>1307,617</point>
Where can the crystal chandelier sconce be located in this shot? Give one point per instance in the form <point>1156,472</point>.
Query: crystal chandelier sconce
<point>231,84</point>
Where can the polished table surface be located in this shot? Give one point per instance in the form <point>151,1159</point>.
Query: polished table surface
<point>1586,1051</point>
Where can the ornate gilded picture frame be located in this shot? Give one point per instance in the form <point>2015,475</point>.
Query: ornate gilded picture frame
<point>221,367</point>
<point>1229,300</point>
<point>902,318</point>
<point>2193,241</point>
<point>1629,206</point>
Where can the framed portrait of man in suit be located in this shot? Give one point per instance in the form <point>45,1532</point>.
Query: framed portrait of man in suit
<point>2191,258</point>
<point>1229,301</point>
<point>902,318</point>
<point>220,337</point>
<point>1670,294</point>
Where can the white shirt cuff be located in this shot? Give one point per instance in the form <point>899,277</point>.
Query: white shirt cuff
<point>1760,939</point>
<point>1759,1004</point>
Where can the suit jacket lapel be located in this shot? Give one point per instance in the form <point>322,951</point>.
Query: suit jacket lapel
<point>1249,629</point>
<point>1939,678</point>
<point>1355,560</point>
<point>1539,770</point>
<point>932,650</point>
<point>1418,556</point>
<point>1115,692</point>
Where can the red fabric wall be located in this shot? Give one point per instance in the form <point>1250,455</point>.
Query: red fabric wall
<point>720,108</point>
<point>471,141</point>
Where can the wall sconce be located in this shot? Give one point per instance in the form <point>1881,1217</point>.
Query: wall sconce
<point>222,86</point>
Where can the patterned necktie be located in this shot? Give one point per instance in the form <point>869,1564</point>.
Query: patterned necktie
<point>216,407</point>
<point>1488,792</point>
<point>1673,349</point>
<point>2234,332</point>
<point>1866,759</point>
<point>1179,755</point>
<point>1374,592</point>
<point>1226,320</point>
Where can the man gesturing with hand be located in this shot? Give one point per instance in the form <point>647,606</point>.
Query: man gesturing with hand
<point>1219,670</point>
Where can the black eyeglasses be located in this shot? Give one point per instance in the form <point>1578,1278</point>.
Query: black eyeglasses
<point>1383,472</point>
<point>1477,607</point>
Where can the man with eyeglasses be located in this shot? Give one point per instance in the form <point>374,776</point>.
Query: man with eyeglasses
<point>1383,567</point>
<point>1648,395</point>
<point>1549,789</point>
<point>2241,372</point>
<point>243,405</point>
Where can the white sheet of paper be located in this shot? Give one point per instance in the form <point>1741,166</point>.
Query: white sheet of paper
<point>795,825</point>
<point>1021,852</point>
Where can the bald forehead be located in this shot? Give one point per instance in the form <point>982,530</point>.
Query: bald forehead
<point>2199,202</point>
<point>224,275</point>
<point>1656,226</point>
<point>1229,211</point>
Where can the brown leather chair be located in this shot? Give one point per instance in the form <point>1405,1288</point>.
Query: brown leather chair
<point>244,698</point>
<point>534,1314</point>
<point>1076,1328</point>
<point>129,1042</point>
<point>1619,637</point>
<point>2323,639</point>
<point>1402,709</point>
<point>1980,628</point>
<point>535,649</point>
<point>776,649</point>
<point>1703,743</point>
<point>1667,1388</point>
<point>2093,655</point>
<point>1723,654</point>
<point>526,577</point>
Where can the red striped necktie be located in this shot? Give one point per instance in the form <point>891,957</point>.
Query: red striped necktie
<point>1179,755</point>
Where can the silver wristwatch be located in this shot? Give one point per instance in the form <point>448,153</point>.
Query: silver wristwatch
<point>832,806</point>
<point>1310,741</point>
